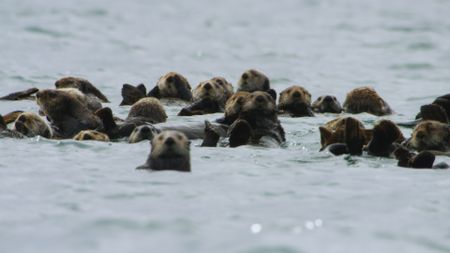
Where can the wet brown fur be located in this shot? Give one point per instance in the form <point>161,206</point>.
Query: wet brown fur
<point>366,99</point>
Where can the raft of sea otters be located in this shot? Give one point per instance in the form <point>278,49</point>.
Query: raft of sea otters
<point>73,109</point>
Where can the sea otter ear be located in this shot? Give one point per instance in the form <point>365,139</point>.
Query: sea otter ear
<point>155,93</point>
<point>325,135</point>
<point>272,93</point>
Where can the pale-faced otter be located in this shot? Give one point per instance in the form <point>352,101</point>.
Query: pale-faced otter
<point>144,132</point>
<point>327,103</point>
<point>296,101</point>
<point>30,124</point>
<point>366,99</point>
<point>170,150</point>
<point>132,94</point>
<point>257,122</point>
<point>25,94</point>
<point>67,115</point>
<point>228,87</point>
<point>91,135</point>
<point>430,135</point>
<point>172,85</point>
<point>81,84</point>
<point>348,131</point>
<point>253,80</point>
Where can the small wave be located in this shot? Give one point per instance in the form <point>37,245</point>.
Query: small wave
<point>44,31</point>
<point>412,66</point>
<point>421,46</point>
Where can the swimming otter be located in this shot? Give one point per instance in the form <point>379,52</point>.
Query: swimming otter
<point>441,105</point>
<point>30,124</point>
<point>228,87</point>
<point>366,99</point>
<point>88,135</point>
<point>67,115</point>
<point>327,103</point>
<point>144,132</point>
<point>431,136</point>
<point>253,80</point>
<point>233,107</point>
<point>170,150</point>
<point>82,85</point>
<point>209,97</point>
<point>132,94</point>
<point>172,85</point>
<point>344,130</point>
<point>257,122</point>
<point>296,101</point>
<point>147,110</point>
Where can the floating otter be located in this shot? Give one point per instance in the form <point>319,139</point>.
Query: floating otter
<point>430,135</point>
<point>91,102</point>
<point>66,113</point>
<point>144,132</point>
<point>132,94</point>
<point>30,124</point>
<point>325,104</point>
<point>348,131</point>
<point>209,97</point>
<point>81,84</point>
<point>439,110</point>
<point>253,80</point>
<point>91,135</point>
<point>25,94</point>
<point>423,160</point>
<point>296,101</point>
<point>172,85</point>
<point>257,122</point>
<point>170,150</point>
<point>366,99</point>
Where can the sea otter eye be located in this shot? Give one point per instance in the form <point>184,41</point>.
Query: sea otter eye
<point>170,79</point>
<point>161,138</point>
<point>179,137</point>
<point>219,82</point>
<point>245,76</point>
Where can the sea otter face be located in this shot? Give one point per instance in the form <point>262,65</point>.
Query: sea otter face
<point>294,94</point>
<point>144,132</point>
<point>229,90</point>
<point>259,101</point>
<point>170,144</point>
<point>31,124</point>
<point>253,80</point>
<point>87,135</point>
<point>234,103</point>
<point>366,99</point>
<point>327,103</point>
<point>50,100</point>
<point>209,89</point>
<point>430,135</point>
<point>174,85</point>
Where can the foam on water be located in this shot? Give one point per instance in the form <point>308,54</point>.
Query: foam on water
<point>67,196</point>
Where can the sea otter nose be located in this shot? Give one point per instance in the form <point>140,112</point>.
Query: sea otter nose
<point>169,141</point>
<point>208,86</point>
<point>328,99</point>
<point>244,76</point>
<point>296,94</point>
<point>259,99</point>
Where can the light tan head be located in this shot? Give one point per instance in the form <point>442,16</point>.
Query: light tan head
<point>150,108</point>
<point>30,124</point>
<point>234,104</point>
<point>210,89</point>
<point>144,132</point>
<point>294,94</point>
<point>253,80</point>
<point>366,99</point>
<point>174,85</point>
<point>229,90</point>
<point>170,144</point>
<point>430,135</point>
<point>91,135</point>
<point>259,102</point>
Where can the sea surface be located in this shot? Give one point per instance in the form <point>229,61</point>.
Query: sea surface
<point>68,196</point>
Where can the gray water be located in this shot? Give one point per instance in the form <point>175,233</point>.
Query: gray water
<point>67,196</point>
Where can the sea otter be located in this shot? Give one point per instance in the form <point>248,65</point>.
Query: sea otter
<point>431,136</point>
<point>366,99</point>
<point>143,132</point>
<point>170,150</point>
<point>295,101</point>
<point>233,107</point>
<point>172,86</point>
<point>91,135</point>
<point>30,124</point>
<point>327,104</point>
<point>81,84</point>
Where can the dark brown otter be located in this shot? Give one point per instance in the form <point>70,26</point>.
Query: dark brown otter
<point>366,99</point>
<point>386,137</point>
<point>172,85</point>
<point>327,104</point>
<point>296,101</point>
<point>170,150</point>
<point>132,94</point>
<point>67,115</point>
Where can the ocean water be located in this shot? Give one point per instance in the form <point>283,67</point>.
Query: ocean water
<point>67,196</point>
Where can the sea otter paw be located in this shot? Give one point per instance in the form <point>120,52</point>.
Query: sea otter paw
<point>240,133</point>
